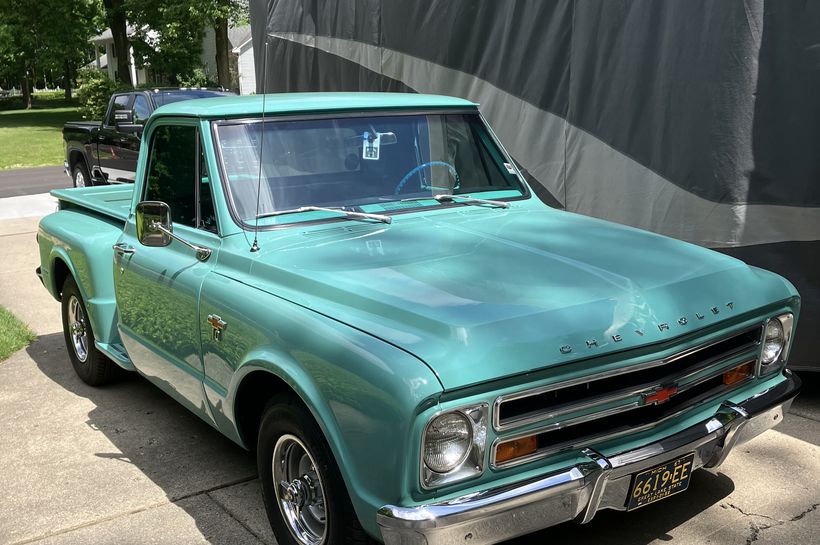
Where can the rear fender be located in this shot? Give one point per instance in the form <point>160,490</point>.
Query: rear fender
<point>82,244</point>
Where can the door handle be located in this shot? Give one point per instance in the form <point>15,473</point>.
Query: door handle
<point>121,248</point>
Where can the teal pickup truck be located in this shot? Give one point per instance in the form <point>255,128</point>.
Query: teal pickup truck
<point>362,288</point>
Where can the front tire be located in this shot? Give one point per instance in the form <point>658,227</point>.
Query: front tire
<point>80,176</point>
<point>90,364</point>
<point>305,497</point>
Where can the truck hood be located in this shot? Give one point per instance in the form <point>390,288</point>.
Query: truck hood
<point>480,294</point>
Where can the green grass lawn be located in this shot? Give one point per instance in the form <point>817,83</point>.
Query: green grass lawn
<point>33,138</point>
<point>14,335</point>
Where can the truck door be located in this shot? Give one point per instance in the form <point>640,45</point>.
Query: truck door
<point>158,288</point>
<point>117,160</point>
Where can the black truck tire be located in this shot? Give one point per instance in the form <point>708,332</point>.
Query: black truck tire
<point>80,176</point>
<point>90,364</point>
<point>288,434</point>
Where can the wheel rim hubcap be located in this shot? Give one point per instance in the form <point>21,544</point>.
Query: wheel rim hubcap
<point>77,328</point>
<point>299,491</point>
<point>79,179</point>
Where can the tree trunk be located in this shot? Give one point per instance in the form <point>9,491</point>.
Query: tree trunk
<point>26,88</point>
<point>116,19</point>
<point>67,80</point>
<point>223,51</point>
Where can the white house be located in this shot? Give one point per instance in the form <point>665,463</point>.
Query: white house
<point>239,38</point>
<point>245,66</point>
<point>108,59</point>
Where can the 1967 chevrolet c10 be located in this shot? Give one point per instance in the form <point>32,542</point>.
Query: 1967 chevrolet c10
<point>363,289</point>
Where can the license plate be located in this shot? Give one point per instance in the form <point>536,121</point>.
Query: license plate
<point>660,482</point>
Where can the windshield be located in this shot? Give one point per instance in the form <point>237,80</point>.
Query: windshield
<point>161,98</point>
<point>365,164</point>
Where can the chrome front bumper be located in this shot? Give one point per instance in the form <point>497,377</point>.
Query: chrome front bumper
<point>578,492</point>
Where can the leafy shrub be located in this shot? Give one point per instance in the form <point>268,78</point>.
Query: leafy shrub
<point>95,91</point>
<point>197,78</point>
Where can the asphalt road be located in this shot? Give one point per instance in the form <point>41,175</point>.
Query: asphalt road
<point>31,181</point>
<point>127,465</point>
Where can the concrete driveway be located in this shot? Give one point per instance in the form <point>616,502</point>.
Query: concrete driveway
<point>125,464</point>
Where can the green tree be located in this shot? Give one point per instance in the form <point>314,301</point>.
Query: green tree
<point>219,14</point>
<point>47,35</point>
<point>68,25</point>
<point>20,45</point>
<point>167,36</point>
<point>116,17</point>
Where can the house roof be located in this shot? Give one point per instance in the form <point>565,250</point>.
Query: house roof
<point>294,103</point>
<point>239,35</point>
<point>107,36</point>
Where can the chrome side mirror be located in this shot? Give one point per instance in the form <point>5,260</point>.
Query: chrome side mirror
<point>154,223</point>
<point>154,228</point>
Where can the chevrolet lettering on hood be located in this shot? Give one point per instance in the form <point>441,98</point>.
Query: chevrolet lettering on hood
<point>662,326</point>
<point>363,288</point>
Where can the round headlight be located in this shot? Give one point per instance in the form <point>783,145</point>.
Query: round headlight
<point>773,341</point>
<point>447,442</point>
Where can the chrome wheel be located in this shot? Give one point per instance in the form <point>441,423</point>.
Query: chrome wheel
<point>78,329</point>
<point>299,490</point>
<point>79,178</point>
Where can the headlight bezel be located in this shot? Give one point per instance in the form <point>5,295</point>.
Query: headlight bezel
<point>786,321</point>
<point>472,463</point>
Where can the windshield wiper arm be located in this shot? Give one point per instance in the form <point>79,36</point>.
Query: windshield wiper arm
<point>466,199</point>
<point>346,213</point>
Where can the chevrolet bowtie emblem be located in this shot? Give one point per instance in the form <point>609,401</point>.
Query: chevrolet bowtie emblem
<point>661,395</point>
<point>218,324</point>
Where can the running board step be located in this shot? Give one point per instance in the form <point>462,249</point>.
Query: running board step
<point>117,353</point>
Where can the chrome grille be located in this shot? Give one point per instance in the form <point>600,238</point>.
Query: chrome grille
<point>599,405</point>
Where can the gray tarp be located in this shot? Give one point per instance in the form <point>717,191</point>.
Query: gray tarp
<point>697,119</point>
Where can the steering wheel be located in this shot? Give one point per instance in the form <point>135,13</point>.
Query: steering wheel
<point>407,176</point>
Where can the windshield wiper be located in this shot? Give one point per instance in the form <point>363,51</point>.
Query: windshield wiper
<point>466,199</point>
<point>345,213</point>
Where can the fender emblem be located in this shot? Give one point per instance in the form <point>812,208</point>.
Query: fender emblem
<point>218,324</point>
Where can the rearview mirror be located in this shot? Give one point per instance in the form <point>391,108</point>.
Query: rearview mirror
<point>388,138</point>
<point>154,223</point>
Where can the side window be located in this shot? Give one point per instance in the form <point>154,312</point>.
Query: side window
<point>178,176</point>
<point>141,109</point>
<point>172,171</point>
<point>120,103</point>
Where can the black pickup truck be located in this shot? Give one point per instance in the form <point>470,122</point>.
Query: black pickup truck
<point>105,152</point>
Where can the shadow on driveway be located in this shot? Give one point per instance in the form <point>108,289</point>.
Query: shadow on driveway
<point>172,447</point>
<point>650,523</point>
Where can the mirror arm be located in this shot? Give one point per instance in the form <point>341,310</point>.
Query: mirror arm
<point>202,253</point>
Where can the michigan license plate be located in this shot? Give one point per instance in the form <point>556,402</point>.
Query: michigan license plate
<point>660,482</point>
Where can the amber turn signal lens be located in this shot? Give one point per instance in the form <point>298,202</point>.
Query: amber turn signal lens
<point>510,450</point>
<point>741,372</point>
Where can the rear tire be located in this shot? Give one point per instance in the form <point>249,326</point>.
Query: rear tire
<point>315,509</point>
<point>90,364</point>
<point>80,176</point>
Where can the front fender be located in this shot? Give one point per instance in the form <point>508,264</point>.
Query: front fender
<point>364,393</point>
